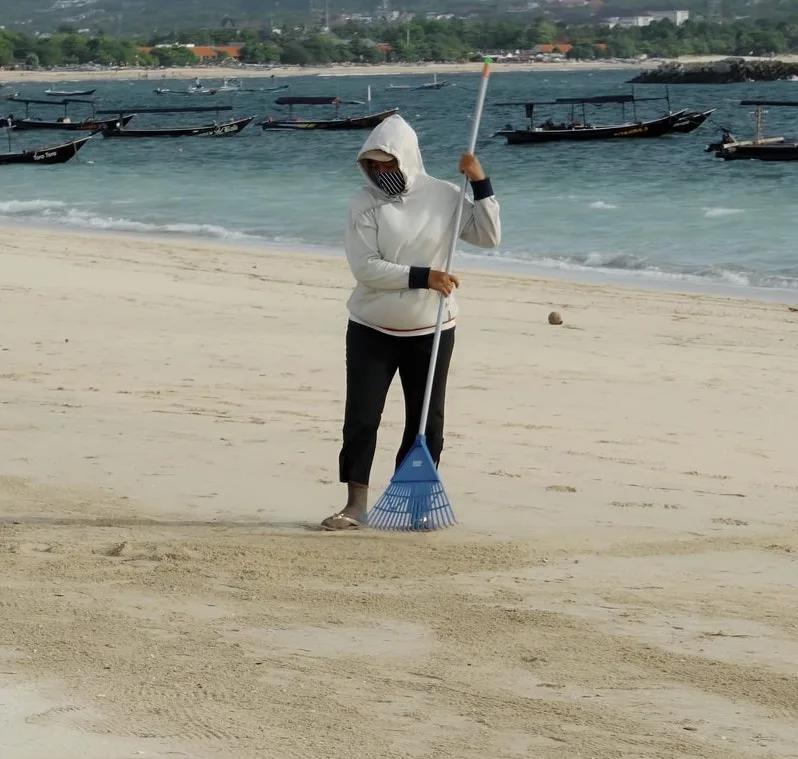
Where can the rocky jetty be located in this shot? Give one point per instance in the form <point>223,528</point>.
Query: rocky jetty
<point>727,71</point>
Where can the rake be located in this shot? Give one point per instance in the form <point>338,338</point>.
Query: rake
<point>415,499</point>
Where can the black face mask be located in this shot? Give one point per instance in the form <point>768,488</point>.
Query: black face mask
<point>390,182</point>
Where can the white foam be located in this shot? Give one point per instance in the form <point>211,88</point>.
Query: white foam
<point>76,218</point>
<point>717,213</point>
<point>20,207</point>
<point>602,205</point>
<point>621,267</point>
<point>56,212</point>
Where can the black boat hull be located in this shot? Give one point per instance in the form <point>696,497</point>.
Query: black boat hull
<point>357,122</point>
<point>226,129</point>
<point>47,155</point>
<point>643,129</point>
<point>777,152</point>
<point>714,147</point>
<point>691,121</point>
<point>416,87</point>
<point>68,93</point>
<point>78,126</point>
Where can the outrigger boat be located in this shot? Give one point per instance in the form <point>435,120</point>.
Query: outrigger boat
<point>433,85</point>
<point>727,138</point>
<point>575,130</point>
<point>368,121</point>
<point>47,155</point>
<point>67,125</point>
<point>691,121</point>
<point>120,112</point>
<point>760,148</point>
<point>232,84</point>
<point>274,88</point>
<point>69,93</point>
<point>198,88</point>
<point>63,123</point>
<point>223,129</point>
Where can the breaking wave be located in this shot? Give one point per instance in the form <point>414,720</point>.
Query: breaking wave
<point>719,213</point>
<point>626,266</point>
<point>53,212</point>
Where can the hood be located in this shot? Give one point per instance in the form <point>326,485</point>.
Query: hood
<point>395,136</point>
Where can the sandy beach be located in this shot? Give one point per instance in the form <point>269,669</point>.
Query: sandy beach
<point>396,69</point>
<point>622,583</point>
<point>280,72</point>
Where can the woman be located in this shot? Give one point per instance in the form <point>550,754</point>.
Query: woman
<point>397,242</point>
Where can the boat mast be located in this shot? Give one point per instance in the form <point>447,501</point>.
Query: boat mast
<point>758,120</point>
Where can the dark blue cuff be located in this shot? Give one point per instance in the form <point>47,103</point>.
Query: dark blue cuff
<point>419,277</point>
<point>482,189</point>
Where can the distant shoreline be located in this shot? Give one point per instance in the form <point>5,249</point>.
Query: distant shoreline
<point>281,72</point>
<point>385,69</point>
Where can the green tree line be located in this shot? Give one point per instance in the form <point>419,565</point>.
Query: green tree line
<point>419,40</point>
<point>69,48</point>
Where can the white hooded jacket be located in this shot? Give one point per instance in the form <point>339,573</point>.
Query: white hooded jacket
<point>387,235</point>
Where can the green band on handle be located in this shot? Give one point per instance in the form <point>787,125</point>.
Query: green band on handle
<point>488,59</point>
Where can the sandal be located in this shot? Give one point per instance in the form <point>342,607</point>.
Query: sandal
<point>341,521</point>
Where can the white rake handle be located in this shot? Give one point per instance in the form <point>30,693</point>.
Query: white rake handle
<point>436,340</point>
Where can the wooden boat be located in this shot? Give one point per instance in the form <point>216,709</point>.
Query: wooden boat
<point>433,85</point>
<point>120,112</point>
<point>275,88</point>
<point>760,148</point>
<point>224,88</point>
<point>65,124</point>
<point>198,88</point>
<point>714,147</point>
<point>64,102</point>
<point>691,120</point>
<point>368,121</point>
<point>223,129</point>
<point>69,93</point>
<point>727,138</point>
<point>190,91</point>
<point>580,130</point>
<point>735,151</point>
<point>47,155</point>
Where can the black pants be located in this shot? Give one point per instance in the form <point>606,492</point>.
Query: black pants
<point>372,360</point>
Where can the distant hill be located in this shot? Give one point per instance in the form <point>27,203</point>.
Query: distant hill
<point>143,17</point>
<point>136,17</point>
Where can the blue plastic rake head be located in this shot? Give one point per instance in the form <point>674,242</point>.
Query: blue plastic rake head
<point>415,500</point>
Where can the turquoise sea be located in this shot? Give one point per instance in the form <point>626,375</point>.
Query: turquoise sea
<point>661,212</point>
